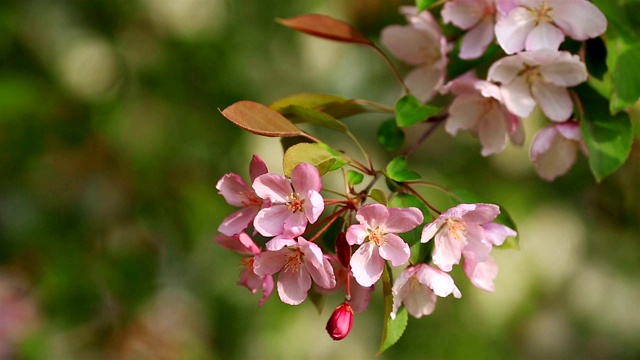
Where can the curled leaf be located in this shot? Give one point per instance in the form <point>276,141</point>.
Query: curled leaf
<point>259,119</point>
<point>327,28</point>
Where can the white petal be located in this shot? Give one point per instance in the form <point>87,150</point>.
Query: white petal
<point>554,101</point>
<point>512,30</point>
<point>366,264</point>
<point>517,97</point>
<point>565,70</point>
<point>409,44</point>
<point>464,113</point>
<point>579,19</point>
<point>544,36</point>
<point>425,81</point>
<point>553,156</point>
<point>463,13</point>
<point>506,69</point>
<point>492,131</point>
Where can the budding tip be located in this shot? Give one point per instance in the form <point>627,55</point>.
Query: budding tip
<point>340,322</point>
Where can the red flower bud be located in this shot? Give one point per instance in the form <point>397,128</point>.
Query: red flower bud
<point>340,322</point>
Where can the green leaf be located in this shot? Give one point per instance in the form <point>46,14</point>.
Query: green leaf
<point>608,138</point>
<point>626,80</point>
<point>379,196</point>
<point>398,170</point>
<point>467,197</point>
<point>333,105</point>
<point>307,100</point>
<point>299,114</point>
<point>314,154</point>
<point>260,120</point>
<point>424,4</point>
<point>392,328</point>
<point>390,136</point>
<point>354,177</point>
<point>340,160</point>
<point>409,111</point>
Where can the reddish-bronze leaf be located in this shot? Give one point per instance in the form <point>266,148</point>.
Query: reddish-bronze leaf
<point>260,119</point>
<point>326,27</point>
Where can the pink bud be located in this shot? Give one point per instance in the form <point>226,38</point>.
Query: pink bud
<point>340,322</point>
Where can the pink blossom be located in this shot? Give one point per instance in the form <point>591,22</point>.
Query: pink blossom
<point>340,322</point>
<point>360,295</point>
<point>237,193</point>
<point>243,244</point>
<point>543,24</point>
<point>478,108</point>
<point>298,263</point>
<point>417,288</point>
<point>420,44</point>
<point>465,229</point>
<point>376,235</point>
<point>291,207</point>
<point>540,77</point>
<point>477,16</point>
<point>554,149</point>
<point>481,274</point>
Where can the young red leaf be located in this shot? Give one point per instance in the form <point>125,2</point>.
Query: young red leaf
<point>326,28</point>
<point>260,119</point>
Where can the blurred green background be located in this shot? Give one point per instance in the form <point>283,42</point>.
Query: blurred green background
<point>111,144</point>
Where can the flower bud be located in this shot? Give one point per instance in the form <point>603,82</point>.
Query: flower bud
<point>340,322</point>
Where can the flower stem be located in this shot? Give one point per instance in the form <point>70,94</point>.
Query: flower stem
<point>437,120</point>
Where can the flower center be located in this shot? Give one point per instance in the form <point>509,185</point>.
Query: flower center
<point>294,260</point>
<point>250,199</point>
<point>247,262</point>
<point>456,229</point>
<point>531,74</point>
<point>377,236</point>
<point>294,203</point>
<point>541,14</point>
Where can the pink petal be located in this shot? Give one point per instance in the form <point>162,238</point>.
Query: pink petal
<point>366,264</point>
<point>496,234</point>
<point>512,30</point>
<point>293,285</point>
<point>231,186</point>
<point>313,205</point>
<point>437,280</point>
<point>323,275</point>
<point>552,154</point>
<point>481,213</point>
<point>295,224</point>
<point>403,219</point>
<point>360,297</point>
<point>481,274</point>
<point>273,187</point>
<point>240,243</point>
<point>270,262</point>
<point>395,250</point>
<point>448,250</point>
<point>554,101</point>
<point>430,230</point>
<point>373,215</point>
<point>409,44</point>
<point>516,129</point>
<point>270,221</point>
<point>569,130</point>
<point>279,242</point>
<point>492,130</point>
<point>250,280</point>
<point>579,19</point>
<point>257,167</point>
<point>506,69</point>
<point>463,13</point>
<point>475,42</point>
<point>517,97</point>
<point>420,301</point>
<point>238,221</point>
<point>464,113</point>
<point>305,177</point>
<point>476,248</point>
<point>544,36</point>
<point>267,289</point>
<point>356,234</point>
<point>425,81</point>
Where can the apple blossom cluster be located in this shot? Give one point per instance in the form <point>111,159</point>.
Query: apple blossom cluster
<point>535,71</point>
<point>278,211</point>
<point>309,242</point>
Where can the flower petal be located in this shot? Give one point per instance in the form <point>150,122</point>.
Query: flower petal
<point>579,19</point>
<point>430,230</point>
<point>492,130</point>
<point>496,234</point>
<point>425,81</point>
<point>420,301</point>
<point>463,13</point>
<point>437,280</point>
<point>293,285</point>
<point>475,42</point>
<point>512,30</point>
<point>356,234</point>
<point>238,221</point>
<point>279,242</point>
<point>552,154</point>
<point>563,68</point>
<point>517,97</point>
<point>544,36</point>
<point>395,250</point>
<point>476,248</point>
<point>366,264</point>
<point>481,213</point>
<point>305,177</point>
<point>270,262</point>
<point>313,205</point>
<point>231,187</point>
<point>464,113</point>
<point>267,289</point>
<point>257,167</point>
<point>295,224</point>
<point>448,250</point>
<point>273,187</point>
<point>554,101</point>
<point>270,221</point>
<point>403,219</point>
<point>240,243</point>
<point>481,274</point>
<point>373,215</point>
<point>410,44</point>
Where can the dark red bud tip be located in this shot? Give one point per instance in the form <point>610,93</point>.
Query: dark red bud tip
<point>340,322</point>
